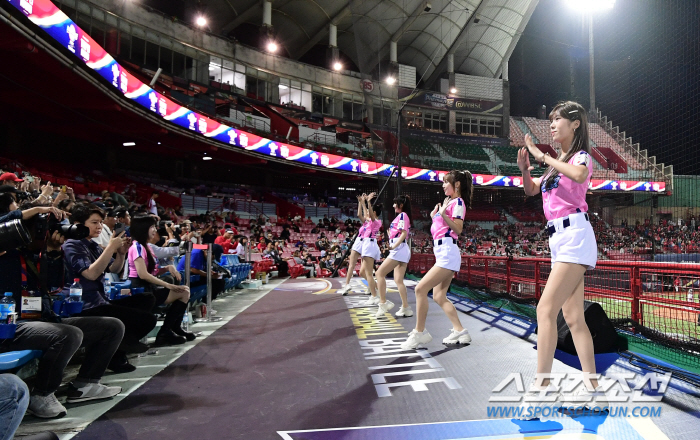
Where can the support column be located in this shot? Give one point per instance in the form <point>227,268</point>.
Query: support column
<point>452,115</point>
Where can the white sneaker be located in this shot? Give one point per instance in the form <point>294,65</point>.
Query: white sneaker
<point>591,400</point>
<point>383,308</point>
<point>458,337</point>
<point>91,391</point>
<point>534,399</point>
<point>344,290</point>
<point>371,301</point>
<point>46,407</point>
<point>404,312</point>
<point>416,339</point>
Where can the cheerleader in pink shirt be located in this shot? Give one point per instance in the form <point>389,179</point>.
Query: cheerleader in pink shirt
<point>399,256</point>
<point>448,219</point>
<point>572,244</point>
<point>370,250</point>
<point>356,249</point>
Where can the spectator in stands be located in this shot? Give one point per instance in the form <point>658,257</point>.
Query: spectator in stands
<point>107,229</point>
<point>198,266</point>
<point>152,206</point>
<point>87,261</point>
<point>123,217</point>
<point>272,253</point>
<point>261,220</point>
<point>226,242</point>
<point>144,272</point>
<point>21,271</point>
<point>209,233</point>
<point>10,179</point>
<point>241,248</point>
<point>285,234</point>
<point>297,258</point>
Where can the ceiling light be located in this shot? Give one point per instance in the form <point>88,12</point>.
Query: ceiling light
<point>272,46</point>
<point>201,21</point>
<point>390,80</point>
<point>337,66</point>
<point>129,144</point>
<point>207,158</point>
<point>591,5</point>
<point>453,90</point>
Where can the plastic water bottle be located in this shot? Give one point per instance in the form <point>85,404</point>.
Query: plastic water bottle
<point>7,306</point>
<point>76,291</point>
<point>108,286</point>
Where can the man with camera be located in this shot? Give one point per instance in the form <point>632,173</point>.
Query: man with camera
<point>28,272</point>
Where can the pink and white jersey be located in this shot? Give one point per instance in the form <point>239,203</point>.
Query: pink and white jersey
<point>137,251</point>
<point>455,210</point>
<point>371,228</point>
<point>363,228</point>
<point>564,196</point>
<point>400,223</point>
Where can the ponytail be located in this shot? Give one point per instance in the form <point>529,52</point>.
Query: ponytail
<point>466,186</point>
<point>404,202</point>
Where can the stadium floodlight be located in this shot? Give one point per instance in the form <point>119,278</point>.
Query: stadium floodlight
<point>390,80</point>
<point>207,157</point>
<point>129,144</point>
<point>591,5</point>
<point>337,66</point>
<point>272,47</point>
<point>201,21</point>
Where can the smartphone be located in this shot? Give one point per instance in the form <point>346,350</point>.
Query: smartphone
<point>63,188</point>
<point>30,179</point>
<point>118,229</point>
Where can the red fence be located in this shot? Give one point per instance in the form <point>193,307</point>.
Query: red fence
<point>661,296</point>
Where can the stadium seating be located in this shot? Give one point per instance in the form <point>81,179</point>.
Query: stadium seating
<point>465,151</point>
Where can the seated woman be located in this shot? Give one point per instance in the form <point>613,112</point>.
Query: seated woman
<point>144,272</point>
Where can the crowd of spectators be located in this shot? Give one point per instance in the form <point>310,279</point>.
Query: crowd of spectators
<point>57,237</point>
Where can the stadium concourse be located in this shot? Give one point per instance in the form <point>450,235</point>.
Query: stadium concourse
<point>201,173</point>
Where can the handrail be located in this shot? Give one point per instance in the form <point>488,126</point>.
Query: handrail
<point>658,293</point>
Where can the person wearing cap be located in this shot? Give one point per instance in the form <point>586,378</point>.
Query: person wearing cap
<point>10,179</point>
<point>226,241</point>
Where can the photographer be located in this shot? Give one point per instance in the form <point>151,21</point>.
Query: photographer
<point>87,261</point>
<point>26,272</point>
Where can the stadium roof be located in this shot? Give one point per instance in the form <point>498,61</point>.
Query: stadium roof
<point>480,33</point>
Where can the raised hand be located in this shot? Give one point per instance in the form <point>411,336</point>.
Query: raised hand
<point>532,148</point>
<point>443,208</point>
<point>524,160</point>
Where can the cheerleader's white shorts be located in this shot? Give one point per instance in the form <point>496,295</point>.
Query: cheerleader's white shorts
<point>402,253</point>
<point>357,245</point>
<point>370,249</point>
<point>447,254</point>
<point>571,240</point>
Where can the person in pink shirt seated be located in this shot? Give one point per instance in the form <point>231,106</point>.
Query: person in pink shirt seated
<point>399,256</point>
<point>448,221</point>
<point>573,248</point>
<point>144,272</point>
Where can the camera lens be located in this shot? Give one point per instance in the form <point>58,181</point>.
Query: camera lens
<point>13,234</point>
<point>75,232</point>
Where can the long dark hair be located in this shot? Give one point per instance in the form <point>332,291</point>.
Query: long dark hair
<point>403,202</point>
<point>466,187</point>
<point>573,111</point>
<point>139,232</point>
